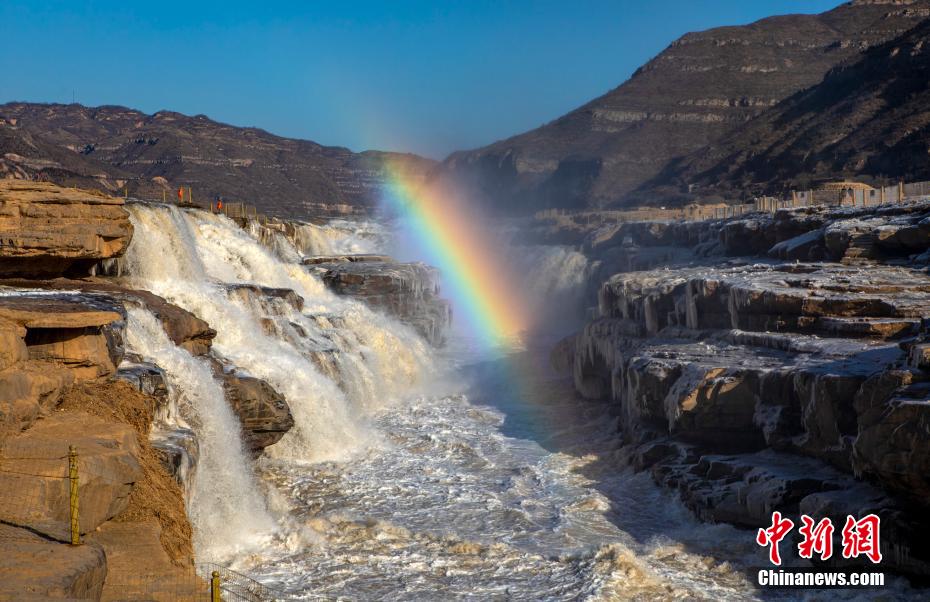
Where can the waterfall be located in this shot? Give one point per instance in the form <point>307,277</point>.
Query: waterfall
<point>335,238</point>
<point>224,492</point>
<point>556,278</point>
<point>333,359</point>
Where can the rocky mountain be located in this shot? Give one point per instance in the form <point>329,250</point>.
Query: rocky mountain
<point>111,147</point>
<point>866,119</point>
<point>702,87</point>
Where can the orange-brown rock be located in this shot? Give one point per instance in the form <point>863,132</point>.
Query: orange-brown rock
<point>181,326</point>
<point>32,568</point>
<point>139,569</point>
<point>28,390</point>
<point>72,330</point>
<point>263,412</point>
<point>47,229</point>
<point>12,346</point>
<point>34,490</point>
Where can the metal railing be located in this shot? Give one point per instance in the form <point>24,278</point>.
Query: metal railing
<point>854,195</point>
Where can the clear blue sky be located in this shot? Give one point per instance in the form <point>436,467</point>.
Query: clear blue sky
<point>427,77</point>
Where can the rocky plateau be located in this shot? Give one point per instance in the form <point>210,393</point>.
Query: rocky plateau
<point>770,362</point>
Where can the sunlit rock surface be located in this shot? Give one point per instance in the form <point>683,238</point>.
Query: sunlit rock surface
<point>47,229</point>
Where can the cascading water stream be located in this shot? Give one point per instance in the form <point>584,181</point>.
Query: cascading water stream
<point>224,491</point>
<point>338,237</point>
<point>305,354</point>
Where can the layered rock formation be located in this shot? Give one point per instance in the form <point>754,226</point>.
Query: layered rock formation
<point>46,230</point>
<point>749,384</point>
<point>65,381</point>
<point>866,119</point>
<point>407,291</point>
<point>704,85</point>
<point>51,342</point>
<point>262,411</point>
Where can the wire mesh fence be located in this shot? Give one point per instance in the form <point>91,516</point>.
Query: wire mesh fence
<point>182,585</point>
<point>42,484</point>
<point>204,582</point>
<point>36,488</point>
<point>236,586</point>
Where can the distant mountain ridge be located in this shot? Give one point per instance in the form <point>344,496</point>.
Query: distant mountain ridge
<point>868,119</point>
<point>111,147</point>
<point>718,115</point>
<point>702,87</point>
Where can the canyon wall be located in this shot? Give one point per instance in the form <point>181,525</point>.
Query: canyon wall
<point>771,362</point>
<point>119,150</point>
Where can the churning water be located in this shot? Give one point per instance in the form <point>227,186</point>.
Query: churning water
<point>408,475</point>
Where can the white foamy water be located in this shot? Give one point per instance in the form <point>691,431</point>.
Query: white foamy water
<point>332,360</point>
<point>225,491</point>
<point>424,475</point>
<point>555,278</point>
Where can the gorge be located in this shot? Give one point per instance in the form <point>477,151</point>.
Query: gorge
<point>319,445</point>
<point>596,360</point>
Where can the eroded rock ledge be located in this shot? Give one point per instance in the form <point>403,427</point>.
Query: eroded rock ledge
<point>50,230</point>
<point>407,291</point>
<point>66,379</point>
<point>772,362</point>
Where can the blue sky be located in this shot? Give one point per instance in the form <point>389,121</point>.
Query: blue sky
<point>426,77</point>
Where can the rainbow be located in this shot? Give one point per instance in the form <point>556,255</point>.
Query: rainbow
<point>450,233</point>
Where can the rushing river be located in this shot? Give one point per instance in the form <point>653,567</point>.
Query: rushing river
<point>411,474</point>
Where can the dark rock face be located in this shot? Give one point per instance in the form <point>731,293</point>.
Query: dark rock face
<point>866,118</point>
<point>263,412</point>
<point>407,291</point>
<point>750,385</point>
<point>111,147</point>
<point>703,86</point>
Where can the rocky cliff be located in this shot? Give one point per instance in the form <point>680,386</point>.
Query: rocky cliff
<point>407,291</point>
<point>703,86</point>
<point>45,229</point>
<point>773,362</point>
<point>866,119</point>
<point>116,149</point>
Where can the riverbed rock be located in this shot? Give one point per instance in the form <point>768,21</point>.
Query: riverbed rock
<point>139,569</point>
<point>407,291</point>
<point>46,229</point>
<point>263,412</point>
<point>34,488</point>
<point>145,377</point>
<point>79,332</point>
<point>33,568</point>
<point>782,364</point>
<point>181,326</point>
<point>363,258</point>
<point>28,390</point>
